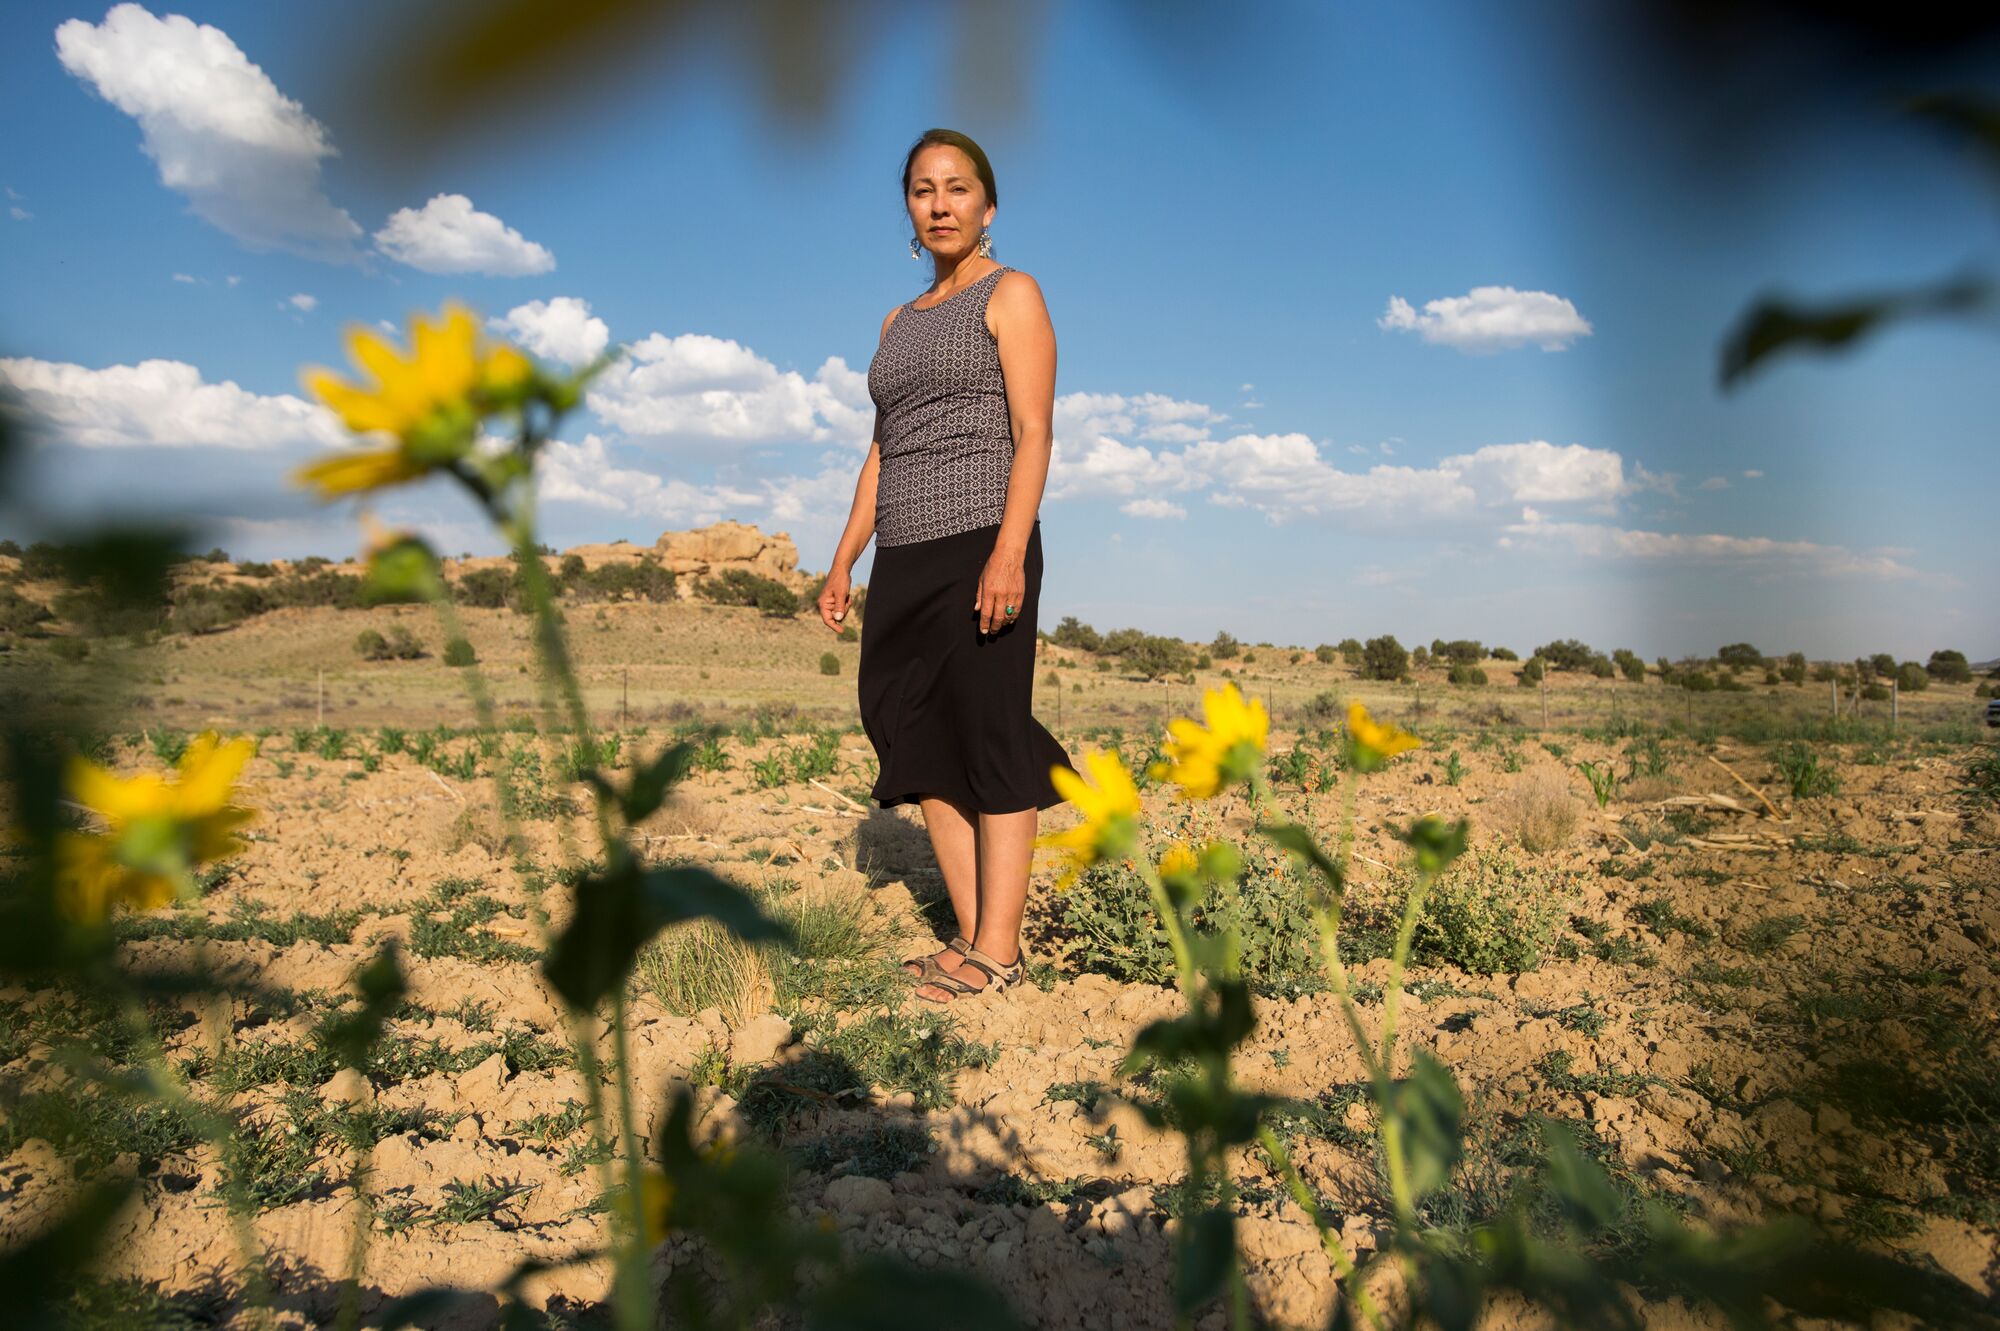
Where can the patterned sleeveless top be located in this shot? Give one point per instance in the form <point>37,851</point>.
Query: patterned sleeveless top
<point>947,444</point>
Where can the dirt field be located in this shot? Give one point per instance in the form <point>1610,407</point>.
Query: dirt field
<point>1752,1001</point>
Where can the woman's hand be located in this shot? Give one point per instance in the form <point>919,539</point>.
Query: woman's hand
<point>1002,583</point>
<point>834,600</point>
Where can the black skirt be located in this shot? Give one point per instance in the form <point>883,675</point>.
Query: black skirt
<point>947,708</point>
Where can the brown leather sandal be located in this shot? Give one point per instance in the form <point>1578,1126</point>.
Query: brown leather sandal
<point>928,969</point>
<point>998,976</point>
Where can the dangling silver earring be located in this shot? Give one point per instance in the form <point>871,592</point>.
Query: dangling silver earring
<point>916,250</point>
<point>985,244</point>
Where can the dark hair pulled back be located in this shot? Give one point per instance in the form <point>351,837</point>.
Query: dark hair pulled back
<point>931,138</point>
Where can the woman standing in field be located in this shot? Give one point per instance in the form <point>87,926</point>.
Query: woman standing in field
<point>964,386</point>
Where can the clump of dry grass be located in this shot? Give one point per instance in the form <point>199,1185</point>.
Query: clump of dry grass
<point>680,816</point>
<point>1538,810</point>
<point>476,823</point>
<point>700,964</point>
<point>697,965</point>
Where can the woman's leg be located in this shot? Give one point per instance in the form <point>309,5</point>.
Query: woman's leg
<point>955,841</point>
<point>1006,844</point>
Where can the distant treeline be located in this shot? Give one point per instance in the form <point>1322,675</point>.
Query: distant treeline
<point>1461,661</point>
<point>190,603</point>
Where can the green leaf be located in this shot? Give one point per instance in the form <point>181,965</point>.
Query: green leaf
<point>131,564</point>
<point>651,783</point>
<point>1454,1290</point>
<point>1978,118</point>
<point>1213,1031</point>
<point>1296,839</point>
<point>1436,842</point>
<point>404,570</point>
<point>619,910</point>
<point>878,1291</point>
<point>350,1036</point>
<point>1431,1111</point>
<point>1772,324</point>
<point>1206,1253</point>
<point>1589,1200</point>
<point>38,1278</point>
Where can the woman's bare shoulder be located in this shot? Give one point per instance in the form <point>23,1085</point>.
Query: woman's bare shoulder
<point>1017,289</point>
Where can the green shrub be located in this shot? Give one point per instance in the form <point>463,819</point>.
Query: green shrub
<point>206,607</point>
<point>1116,931</point>
<point>1949,667</point>
<point>1225,646</point>
<point>18,614</point>
<point>1566,654</point>
<point>1154,655</point>
<point>1532,672</point>
<point>1912,678</point>
<point>399,645</point>
<point>1384,658</point>
<point>1072,632</point>
<point>487,589</point>
<point>1470,676</point>
<point>1492,914</point>
<point>458,652</point>
<point>739,586</point>
<point>321,587</point>
<point>1505,654</point>
<point>829,664</point>
<point>1325,708</point>
<point>644,579</point>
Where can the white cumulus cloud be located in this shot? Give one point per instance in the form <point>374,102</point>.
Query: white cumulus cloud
<point>245,156</point>
<point>1761,554</point>
<point>1489,319</point>
<point>161,403</point>
<point>696,387</point>
<point>562,329</point>
<point>304,302</point>
<point>449,235</point>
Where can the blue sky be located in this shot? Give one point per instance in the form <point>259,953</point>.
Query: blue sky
<point>1379,319</point>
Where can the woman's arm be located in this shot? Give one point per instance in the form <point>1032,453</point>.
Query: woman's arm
<point>1027,346</point>
<point>861,518</point>
<point>834,595</point>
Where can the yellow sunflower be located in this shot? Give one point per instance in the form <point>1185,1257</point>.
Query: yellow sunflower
<point>156,830</point>
<point>431,400</point>
<point>1110,807</point>
<point>1371,744</point>
<point>1203,761</point>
